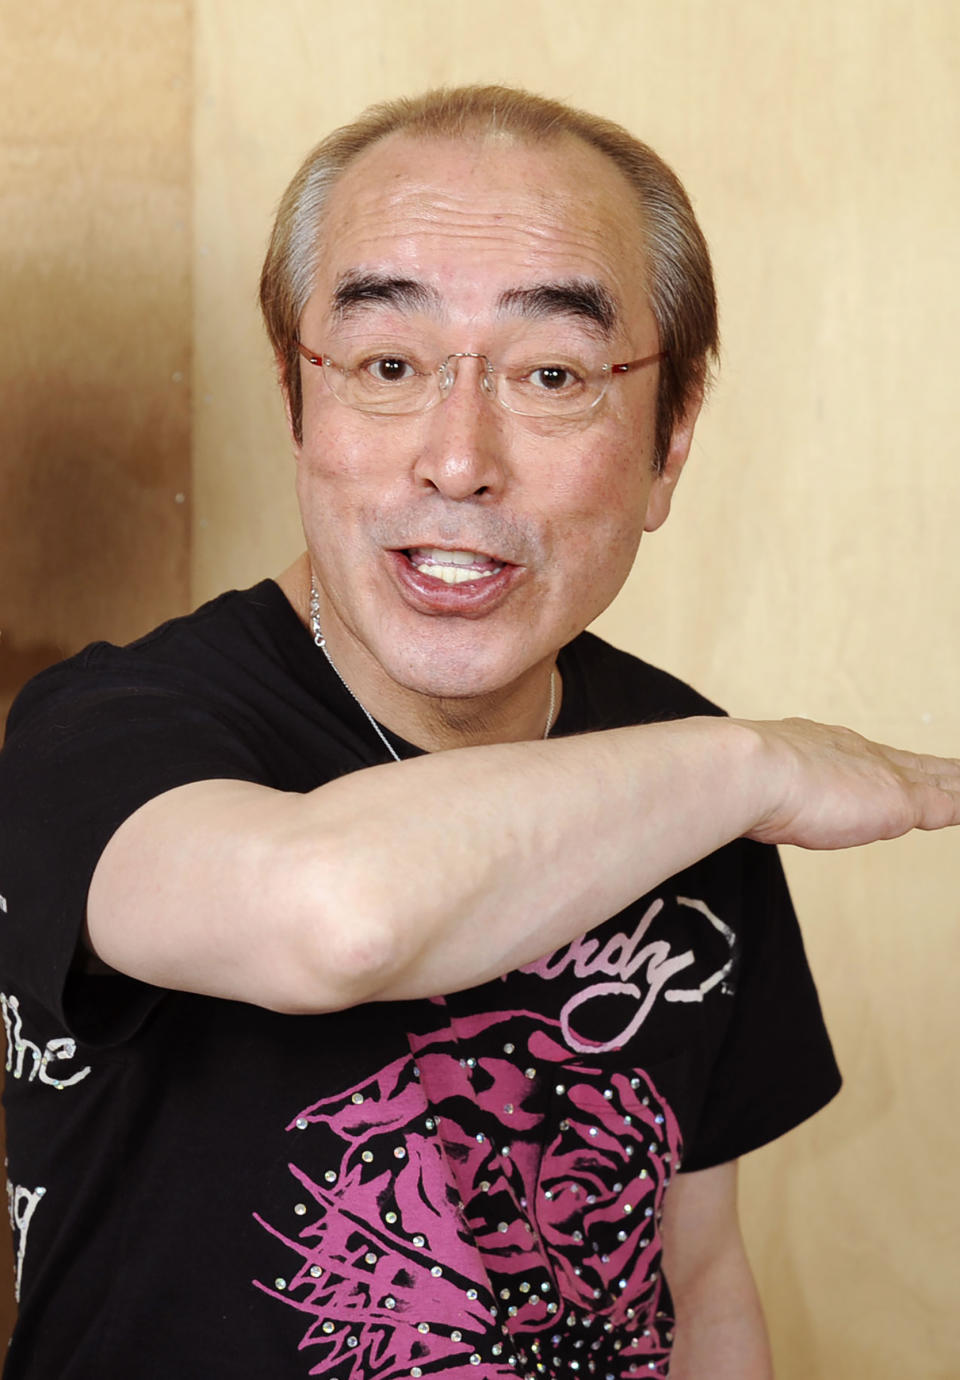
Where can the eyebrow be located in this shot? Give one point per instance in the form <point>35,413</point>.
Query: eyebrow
<point>359,289</point>
<point>582,298</point>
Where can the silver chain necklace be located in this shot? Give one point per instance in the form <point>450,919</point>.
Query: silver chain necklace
<point>321,642</point>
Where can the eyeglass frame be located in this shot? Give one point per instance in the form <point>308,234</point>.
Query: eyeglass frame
<point>448,378</point>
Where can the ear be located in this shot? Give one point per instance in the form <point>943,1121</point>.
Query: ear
<point>284,385</point>
<point>681,438</point>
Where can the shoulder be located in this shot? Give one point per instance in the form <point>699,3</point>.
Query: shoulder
<point>605,687</point>
<point>187,655</point>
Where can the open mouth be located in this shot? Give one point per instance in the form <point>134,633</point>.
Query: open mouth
<point>453,567</point>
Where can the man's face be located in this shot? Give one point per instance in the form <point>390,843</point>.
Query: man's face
<point>440,241</point>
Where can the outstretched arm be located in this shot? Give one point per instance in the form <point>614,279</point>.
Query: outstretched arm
<point>435,874</point>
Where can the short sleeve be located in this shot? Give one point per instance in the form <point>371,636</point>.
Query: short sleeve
<point>88,743</point>
<point>775,1066</point>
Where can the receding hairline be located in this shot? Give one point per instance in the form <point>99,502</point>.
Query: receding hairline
<point>482,137</point>
<point>479,133</point>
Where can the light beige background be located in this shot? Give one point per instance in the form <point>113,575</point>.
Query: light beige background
<point>811,561</point>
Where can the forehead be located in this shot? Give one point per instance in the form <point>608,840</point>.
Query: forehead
<point>471,217</point>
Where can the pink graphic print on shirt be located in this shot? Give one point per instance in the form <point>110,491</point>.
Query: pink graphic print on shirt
<point>495,1214</point>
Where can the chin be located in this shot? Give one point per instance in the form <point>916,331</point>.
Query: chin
<point>455,672</point>
<point>450,684</point>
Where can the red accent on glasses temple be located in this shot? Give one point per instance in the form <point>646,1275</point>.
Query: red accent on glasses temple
<point>308,355</point>
<point>636,363</point>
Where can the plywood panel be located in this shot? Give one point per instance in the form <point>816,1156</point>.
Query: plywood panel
<point>95,358</point>
<point>95,352</point>
<point>810,562</point>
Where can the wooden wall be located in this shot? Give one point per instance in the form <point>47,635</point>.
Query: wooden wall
<point>809,566</point>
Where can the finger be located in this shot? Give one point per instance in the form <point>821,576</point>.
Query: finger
<point>935,797</point>
<point>927,764</point>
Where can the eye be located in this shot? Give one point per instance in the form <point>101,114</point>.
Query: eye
<point>554,378</point>
<point>389,369</point>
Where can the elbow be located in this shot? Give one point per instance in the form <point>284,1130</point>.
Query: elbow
<point>353,960</point>
<point>345,946</point>
<point>344,923</point>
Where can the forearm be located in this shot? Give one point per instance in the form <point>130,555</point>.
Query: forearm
<point>722,1335</point>
<point>505,853</point>
<point>720,1332</point>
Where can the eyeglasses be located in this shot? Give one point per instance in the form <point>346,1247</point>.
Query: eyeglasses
<point>394,381</point>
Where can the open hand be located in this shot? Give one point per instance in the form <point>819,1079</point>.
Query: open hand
<point>831,788</point>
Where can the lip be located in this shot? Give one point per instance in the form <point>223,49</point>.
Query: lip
<point>474,599</point>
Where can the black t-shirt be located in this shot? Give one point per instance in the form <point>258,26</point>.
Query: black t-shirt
<point>467,1185</point>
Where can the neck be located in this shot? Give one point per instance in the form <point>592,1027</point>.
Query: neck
<point>519,712</point>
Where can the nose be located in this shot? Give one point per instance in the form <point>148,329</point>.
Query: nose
<point>463,453</point>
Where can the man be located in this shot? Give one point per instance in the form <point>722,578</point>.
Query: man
<point>356,1030</point>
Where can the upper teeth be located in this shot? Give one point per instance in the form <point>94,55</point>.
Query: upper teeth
<point>454,567</point>
<point>433,555</point>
